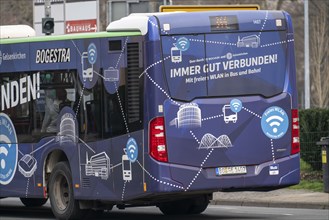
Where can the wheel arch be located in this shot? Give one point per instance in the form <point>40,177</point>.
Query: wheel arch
<point>50,161</point>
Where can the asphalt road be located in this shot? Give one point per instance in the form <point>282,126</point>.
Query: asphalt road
<point>13,209</point>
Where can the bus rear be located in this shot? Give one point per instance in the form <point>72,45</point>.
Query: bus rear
<point>226,102</point>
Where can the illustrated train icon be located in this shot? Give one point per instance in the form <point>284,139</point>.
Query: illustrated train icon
<point>252,41</point>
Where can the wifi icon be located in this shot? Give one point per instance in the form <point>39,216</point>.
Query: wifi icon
<point>275,122</point>
<point>92,53</point>
<point>236,105</point>
<point>183,44</point>
<point>8,150</point>
<point>5,142</point>
<point>132,149</point>
<point>3,151</point>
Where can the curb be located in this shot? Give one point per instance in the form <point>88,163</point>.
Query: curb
<point>272,204</point>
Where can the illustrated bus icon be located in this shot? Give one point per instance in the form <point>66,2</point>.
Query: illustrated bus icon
<point>176,55</point>
<point>87,73</point>
<point>252,41</point>
<point>229,115</point>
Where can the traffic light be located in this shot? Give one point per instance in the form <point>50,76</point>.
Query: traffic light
<point>48,25</point>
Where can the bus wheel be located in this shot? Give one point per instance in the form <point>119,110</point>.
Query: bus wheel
<point>33,202</point>
<point>180,207</point>
<point>199,205</point>
<point>62,201</point>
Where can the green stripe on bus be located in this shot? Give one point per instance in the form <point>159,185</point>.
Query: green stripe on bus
<point>68,37</point>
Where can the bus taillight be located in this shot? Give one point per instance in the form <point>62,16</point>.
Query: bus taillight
<point>295,145</point>
<point>158,149</point>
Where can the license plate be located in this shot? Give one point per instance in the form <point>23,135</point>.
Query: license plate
<point>231,170</point>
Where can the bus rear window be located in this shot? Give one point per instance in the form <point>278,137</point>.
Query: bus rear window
<point>225,64</point>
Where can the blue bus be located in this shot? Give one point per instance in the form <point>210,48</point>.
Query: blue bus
<point>160,109</point>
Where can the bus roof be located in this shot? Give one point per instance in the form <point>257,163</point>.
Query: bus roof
<point>16,31</point>
<point>202,22</point>
<point>69,37</point>
<point>135,22</point>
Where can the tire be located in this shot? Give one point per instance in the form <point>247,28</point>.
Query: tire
<point>192,206</point>
<point>179,207</point>
<point>199,205</point>
<point>33,202</point>
<point>94,214</point>
<point>62,201</point>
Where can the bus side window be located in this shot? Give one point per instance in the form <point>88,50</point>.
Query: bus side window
<point>93,119</point>
<point>91,113</point>
<point>56,92</point>
<point>123,109</point>
<point>116,116</point>
<point>20,114</point>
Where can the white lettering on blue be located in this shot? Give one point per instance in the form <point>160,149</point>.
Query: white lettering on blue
<point>250,62</point>
<point>22,91</point>
<point>57,55</point>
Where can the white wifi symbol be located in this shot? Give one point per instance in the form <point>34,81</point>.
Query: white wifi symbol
<point>4,150</point>
<point>236,105</point>
<point>274,121</point>
<point>131,150</point>
<point>182,43</point>
<point>92,53</point>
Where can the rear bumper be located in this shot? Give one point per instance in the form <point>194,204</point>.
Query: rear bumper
<point>258,177</point>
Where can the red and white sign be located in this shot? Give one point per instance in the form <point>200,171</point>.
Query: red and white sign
<point>81,26</point>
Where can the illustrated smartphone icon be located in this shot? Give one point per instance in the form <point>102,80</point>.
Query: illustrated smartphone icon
<point>126,168</point>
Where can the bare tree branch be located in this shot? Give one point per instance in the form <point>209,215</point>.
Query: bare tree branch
<point>279,4</point>
<point>319,46</point>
